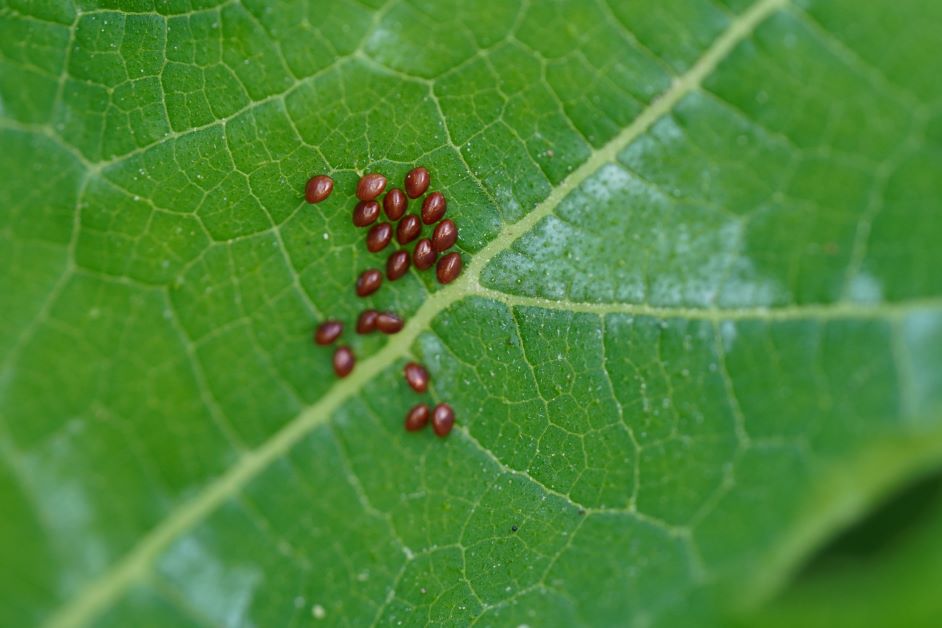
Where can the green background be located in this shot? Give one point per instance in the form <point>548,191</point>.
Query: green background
<point>699,330</point>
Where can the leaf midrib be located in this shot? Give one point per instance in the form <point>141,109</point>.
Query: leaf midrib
<point>840,310</point>
<point>101,592</point>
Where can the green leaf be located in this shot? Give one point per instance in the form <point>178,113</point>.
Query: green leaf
<point>882,572</point>
<point>699,328</point>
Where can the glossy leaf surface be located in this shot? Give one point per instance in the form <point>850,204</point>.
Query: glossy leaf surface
<point>699,326</point>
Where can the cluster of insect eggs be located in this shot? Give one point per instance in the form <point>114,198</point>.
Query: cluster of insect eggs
<point>424,255</point>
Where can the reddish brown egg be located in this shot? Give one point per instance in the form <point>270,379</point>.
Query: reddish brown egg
<point>344,360</point>
<point>408,229</point>
<point>433,207</point>
<point>395,204</point>
<point>318,188</point>
<point>417,182</point>
<point>327,332</point>
<point>365,213</point>
<point>370,186</point>
<point>444,236</point>
<point>366,322</point>
<point>389,323</point>
<point>417,418</point>
<point>378,237</point>
<point>369,282</point>
<point>443,419</point>
<point>397,265</point>
<point>423,256</point>
<point>416,376</point>
<point>449,267</point>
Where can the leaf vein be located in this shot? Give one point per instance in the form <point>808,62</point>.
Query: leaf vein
<point>104,590</point>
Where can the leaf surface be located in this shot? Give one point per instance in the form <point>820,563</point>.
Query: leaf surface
<point>698,330</point>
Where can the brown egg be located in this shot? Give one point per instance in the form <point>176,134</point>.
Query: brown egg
<point>443,419</point>
<point>327,332</point>
<point>369,282</point>
<point>408,229</point>
<point>449,267</point>
<point>423,256</point>
<point>344,361</point>
<point>389,323</point>
<point>378,237</point>
<point>444,236</point>
<point>370,186</point>
<point>417,182</point>
<point>366,322</point>
<point>417,418</point>
<point>318,188</point>
<point>365,213</point>
<point>416,376</point>
<point>433,208</point>
<point>395,204</point>
<point>397,265</point>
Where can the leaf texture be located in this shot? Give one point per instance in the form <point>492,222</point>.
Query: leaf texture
<point>699,327</point>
